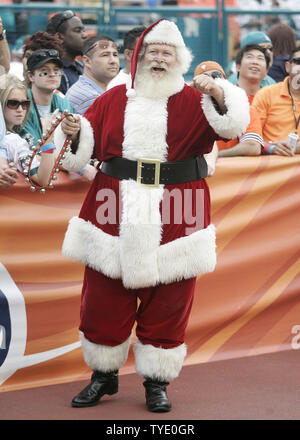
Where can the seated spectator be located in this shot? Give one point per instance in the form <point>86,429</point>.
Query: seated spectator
<point>101,64</point>
<point>4,51</point>
<point>129,42</point>
<point>71,32</point>
<point>278,107</point>
<point>284,42</point>
<point>15,104</point>
<point>44,74</point>
<point>39,40</point>
<point>261,39</point>
<point>252,63</point>
<point>8,171</point>
<point>250,143</point>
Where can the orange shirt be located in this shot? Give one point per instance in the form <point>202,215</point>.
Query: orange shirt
<point>252,132</point>
<point>274,105</point>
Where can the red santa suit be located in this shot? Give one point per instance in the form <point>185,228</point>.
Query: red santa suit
<point>138,250</point>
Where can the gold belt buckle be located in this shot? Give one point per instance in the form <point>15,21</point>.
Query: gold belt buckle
<point>156,172</point>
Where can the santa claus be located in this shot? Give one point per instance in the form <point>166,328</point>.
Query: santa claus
<point>140,265</point>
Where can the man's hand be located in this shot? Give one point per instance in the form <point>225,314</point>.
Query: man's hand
<point>208,86</point>
<point>8,175</point>
<point>282,148</point>
<point>71,125</point>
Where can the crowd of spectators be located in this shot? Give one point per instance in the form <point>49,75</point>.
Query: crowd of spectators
<point>64,69</point>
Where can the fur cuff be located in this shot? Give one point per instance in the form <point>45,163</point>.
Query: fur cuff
<point>235,121</point>
<point>163,364</point>
<point>84,151</point>
<point>104,357</point>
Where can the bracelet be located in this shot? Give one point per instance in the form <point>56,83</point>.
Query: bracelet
<point>271,148</point>
<point>49,148</point>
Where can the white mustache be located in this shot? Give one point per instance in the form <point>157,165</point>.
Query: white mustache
<point>161,65</point>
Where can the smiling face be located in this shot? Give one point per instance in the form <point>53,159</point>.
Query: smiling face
<point>14,117</point>
<point>159,59</point>
<point>253,66</point>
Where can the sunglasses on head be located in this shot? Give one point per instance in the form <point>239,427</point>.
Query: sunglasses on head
<point>45,53</point>
<point>14,104</point>
<point>102,44</point>
<point>295,61</point>
<point>64,17</point>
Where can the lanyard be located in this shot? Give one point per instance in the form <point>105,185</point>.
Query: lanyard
<point>38,114</point>
<point>297,121</point>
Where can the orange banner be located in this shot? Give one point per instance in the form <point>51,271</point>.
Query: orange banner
<point>249,305</point>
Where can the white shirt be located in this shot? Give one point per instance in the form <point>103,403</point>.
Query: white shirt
<point>121,78</point>
<point>17,150</point>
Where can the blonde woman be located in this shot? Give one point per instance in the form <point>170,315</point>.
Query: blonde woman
<point>15,105</point>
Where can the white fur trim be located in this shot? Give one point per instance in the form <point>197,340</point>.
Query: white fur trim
<point>235,121</point>
<point>131,93</point>
<point>140,234</point>
<point>145,137</point>
<point>89,245</point>
<point>141,227</point>
<point>165,32</point>
<point>158,363</point>
<point>180,259</point>
<point>84,151</point>
<point>104,358</point>
<point>188,256</point>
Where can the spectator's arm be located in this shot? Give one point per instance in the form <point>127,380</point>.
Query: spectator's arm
<point>8,174</point>
<point>4,50</point>
<point>248,147</point>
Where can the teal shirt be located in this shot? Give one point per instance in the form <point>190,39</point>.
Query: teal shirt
<point>267,81</point>
<point>32,126</point>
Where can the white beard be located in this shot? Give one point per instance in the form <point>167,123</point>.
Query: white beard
<point>171,83</point>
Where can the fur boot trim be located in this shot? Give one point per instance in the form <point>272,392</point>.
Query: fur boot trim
<point>158,363</point>
<point>76,161</point>
<point>104,357</point>
<point>235,121</point>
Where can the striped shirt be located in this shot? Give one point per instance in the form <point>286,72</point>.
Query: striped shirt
<point>83,93</point>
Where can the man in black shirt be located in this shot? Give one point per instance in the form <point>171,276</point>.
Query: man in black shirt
<point>70,30</point>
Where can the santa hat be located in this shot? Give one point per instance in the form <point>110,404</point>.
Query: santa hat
<point>161,32</point>
<point>208,65</point>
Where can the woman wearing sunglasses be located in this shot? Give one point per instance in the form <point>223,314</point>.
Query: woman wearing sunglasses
<point>15,106</point>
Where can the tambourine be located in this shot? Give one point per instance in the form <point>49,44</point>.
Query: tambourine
<point>37,150</point>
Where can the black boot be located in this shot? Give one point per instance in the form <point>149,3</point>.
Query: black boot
<point>101,383</point>
<point>156,396</point>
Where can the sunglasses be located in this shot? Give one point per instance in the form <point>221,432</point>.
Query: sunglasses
<point>295,61</point>
<point>102,44</point>
<point>46,53</point>
<point>268,47</point>
<point>14,104</point>
<point>64,17</point>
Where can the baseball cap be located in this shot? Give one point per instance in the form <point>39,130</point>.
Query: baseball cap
<point>42,56</point>
<point>255,37</point>
<point>208,65</point>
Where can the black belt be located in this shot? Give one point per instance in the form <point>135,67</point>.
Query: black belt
<point>153,172</point>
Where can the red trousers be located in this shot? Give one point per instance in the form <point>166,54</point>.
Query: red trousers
<point>109,311</point>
